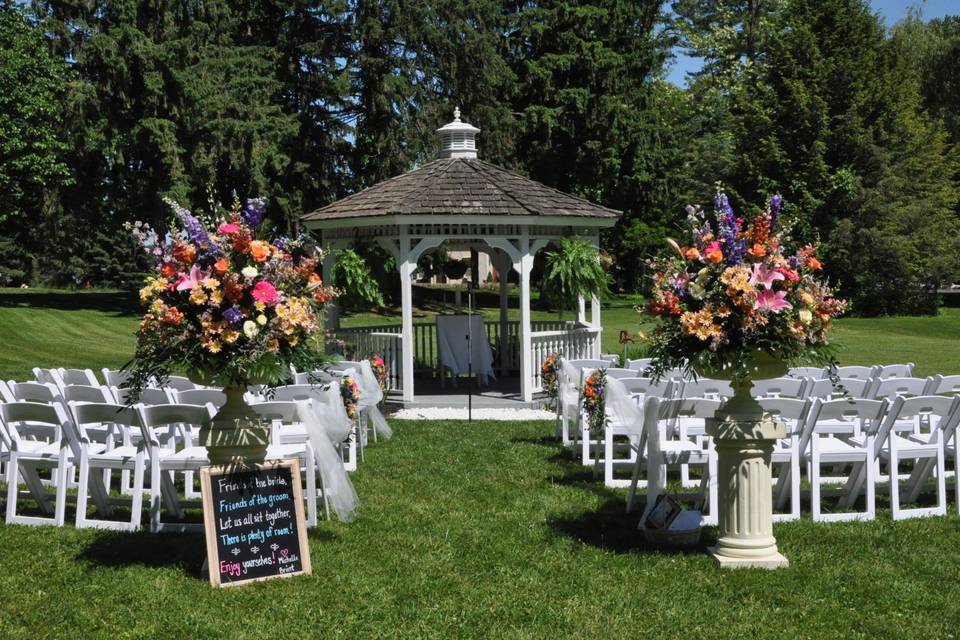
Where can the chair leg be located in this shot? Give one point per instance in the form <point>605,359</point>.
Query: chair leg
<point>82,488</point>
<point>136,502</point>
<point>154,497</point>
<point>633,482</point>
<point>894,471</point>
<point>311,474</point>
<point>608,457</point>
<point>815,485</point>
<point>63,474</point>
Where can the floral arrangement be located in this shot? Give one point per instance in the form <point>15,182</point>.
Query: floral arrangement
<point>548,376</point>
<point>350,393</point>
<point>593,403</point>
<point>379,366</point>
<point>735,289</point>
<point>231,306</point>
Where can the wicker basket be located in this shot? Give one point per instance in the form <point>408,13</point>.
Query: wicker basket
<point>673,537</point>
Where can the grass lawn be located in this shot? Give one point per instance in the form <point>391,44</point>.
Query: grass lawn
<point>487,530</point>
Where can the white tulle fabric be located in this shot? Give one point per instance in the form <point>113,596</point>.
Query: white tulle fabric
<point>568,380</point>
<point>622,407</point>
<point>370,396</point>
<point>325,425</point>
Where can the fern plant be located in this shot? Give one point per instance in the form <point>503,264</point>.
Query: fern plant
<point>574,270</point>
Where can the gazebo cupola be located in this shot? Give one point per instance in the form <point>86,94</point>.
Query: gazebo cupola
<point>466,203</point>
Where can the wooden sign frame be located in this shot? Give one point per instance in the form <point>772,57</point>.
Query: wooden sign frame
<point>209,515</point>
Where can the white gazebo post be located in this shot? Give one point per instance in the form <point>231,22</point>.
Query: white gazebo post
<point>595,312</point>
<point>524,267</point>
<point>407,268</point>
<point>502,262</point>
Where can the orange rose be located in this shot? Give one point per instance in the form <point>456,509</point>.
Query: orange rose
<point>260,250</point>
<point>691,253</point>
<point>813,264</point>
<point>715,256</point>
<point>757,250</point>
<point>185,253</point>
<point>233,290</point>
<point>221,266</point>
<point>172,316</point>
<point>168,270</point>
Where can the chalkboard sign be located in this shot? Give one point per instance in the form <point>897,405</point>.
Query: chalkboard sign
<point>253,519</point>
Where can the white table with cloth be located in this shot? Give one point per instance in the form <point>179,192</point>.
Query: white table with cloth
<point>452,346</point>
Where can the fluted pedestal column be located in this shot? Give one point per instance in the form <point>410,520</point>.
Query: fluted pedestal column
<point>237,435</point>
<point>744,438</point>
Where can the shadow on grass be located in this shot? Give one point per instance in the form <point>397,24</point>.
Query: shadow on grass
<point>116,549</point>
<point>121,303</point>
<point>542,441</point>
<point>612,529</point>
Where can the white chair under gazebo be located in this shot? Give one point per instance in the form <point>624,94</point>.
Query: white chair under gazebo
<point>465,204</point>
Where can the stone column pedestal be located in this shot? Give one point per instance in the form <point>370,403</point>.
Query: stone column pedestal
<point>744,439</point>
<point>237,435</point>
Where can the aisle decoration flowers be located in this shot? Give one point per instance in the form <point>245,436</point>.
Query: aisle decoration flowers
<point>228,305</point>
<point>593,401</point>
<point>548,377</point>
<point>737,288</point>
<point>379,366</point>
<point>350,393</point>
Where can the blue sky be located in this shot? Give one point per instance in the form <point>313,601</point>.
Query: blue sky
<point>891,10</point>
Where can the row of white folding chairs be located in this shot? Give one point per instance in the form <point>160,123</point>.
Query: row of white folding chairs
<point>78,448</point>
<point>852,371</point>
<point>811,442</point>
<point>61,377</point>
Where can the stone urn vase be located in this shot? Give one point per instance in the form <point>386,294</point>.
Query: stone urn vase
<point>237,435</point>
<point>744,437</point>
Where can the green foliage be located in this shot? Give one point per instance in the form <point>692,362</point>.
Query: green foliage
<point>574,270</point>
<point>359,289</point>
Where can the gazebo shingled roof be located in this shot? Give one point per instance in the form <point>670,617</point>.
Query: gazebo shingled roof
<point>460,186</point>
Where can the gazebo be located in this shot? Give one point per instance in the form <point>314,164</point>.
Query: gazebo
<point>468,204</point>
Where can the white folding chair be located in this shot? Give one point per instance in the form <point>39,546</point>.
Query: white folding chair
<point>78,376</point>
<point>39,392</point>
<point>695,428</point>
<point>27,457</point>
<point>638,364</point>
<point>894,371</point>
<point>944,385</point>
<point>148,396</point>
<point>114,377</point>
<point>216,397</point>
<point>124,458</point>
<point>780,388</point>
<point>623,422</point>
<point>857,372</point>
<point>858,454</point>
<point>289,440</point>
<point>786,453</point>
<point>164,461</point>
<point>663,452</point>
<point>48,376</point>
<point>324,396</point>
<point>806,372</point>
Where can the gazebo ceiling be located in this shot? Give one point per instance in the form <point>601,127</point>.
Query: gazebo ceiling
<point>462,186</point>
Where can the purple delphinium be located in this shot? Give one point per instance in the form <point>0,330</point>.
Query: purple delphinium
<point>252,214</point>
<point>793,262</point>
<point>207,251</point>
<point>775,203</point>
<point>234,316</point>
<point>728,228</point>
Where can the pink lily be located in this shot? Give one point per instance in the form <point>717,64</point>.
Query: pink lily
<point>187,282</point>
<point>771,301</point>
<point>764,276</point>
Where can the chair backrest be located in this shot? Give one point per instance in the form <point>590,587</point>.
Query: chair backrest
<point>199,396</point>
<point>854,388</point>
<point>12,414</point>
<point>589,364</point>
<point>899,387</point>
<point>945,385</point>
<point>78,376</point>
<point>149,395</point>
<point>867,412</point>
<point>806,372</point>
<point>920,407</point>
<point>895,371</point>
<point>87,393</point>
<point>5,394</point>
<point>343,365</point>
<point>614,372</point>
<point>159,415</point>
<point>314,377</point>
<point>95,413</point>
<point>34,391</point>
<point>278,410</point>
<point>179,383</point>
<point>611,358</point>
<point>792,411</point>
<point>638,364</point>
<point>819,388</point>
<point>294,392</point>
<point>656,411</point>
<point>779,388</point>
<point>646,387</point>
<point>48,376</point>
<point>857,372</point>
<point>114,377</point>
<point>706,388</point>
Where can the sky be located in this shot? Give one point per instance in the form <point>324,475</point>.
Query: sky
<point>891,10</point>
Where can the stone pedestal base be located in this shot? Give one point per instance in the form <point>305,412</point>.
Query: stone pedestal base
<point>744,438</point>
<point>238,435</point>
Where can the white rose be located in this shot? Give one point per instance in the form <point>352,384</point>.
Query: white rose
<point>806,317</point>
<point>249,272</point>
<point>261,319</point>
<point>250,328</point>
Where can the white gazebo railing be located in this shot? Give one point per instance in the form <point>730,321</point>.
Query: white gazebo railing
<point>548,336</point>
